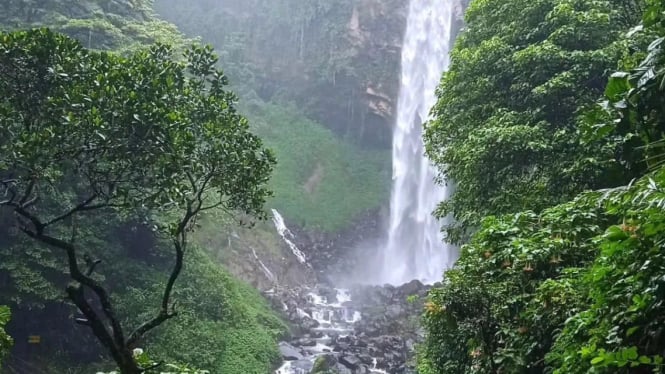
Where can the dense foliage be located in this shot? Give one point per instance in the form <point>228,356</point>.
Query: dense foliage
<point>507,126</point>
<point>120,25</point>
<point>578,287</point>
<point>320,181</point>
<point>88,134</point>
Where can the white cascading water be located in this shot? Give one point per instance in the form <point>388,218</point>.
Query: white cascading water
<point>334,319</point>
<point>415,247</point>
<point>288,236</point>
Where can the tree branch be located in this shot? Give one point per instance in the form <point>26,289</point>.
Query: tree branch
<point>77,275</point>
<point>76,294</point>
<point>28,192</point>
<point>179,244</point>
<point>84,205</point>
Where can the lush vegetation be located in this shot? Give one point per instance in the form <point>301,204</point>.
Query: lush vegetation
<point>124,238</point>
<point>122,25</point>
<point>510,110</point>
<point>5,340</point>
<point>160,143</point>
<point>320,181</point>
<point>303,73</point>
<point>576,287</point>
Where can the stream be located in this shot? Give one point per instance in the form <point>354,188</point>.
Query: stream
<point>331,320</point>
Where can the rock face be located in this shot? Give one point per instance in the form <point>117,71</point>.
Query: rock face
<point>339,60</point>
<point>367,329</point>
<point>375,31</point>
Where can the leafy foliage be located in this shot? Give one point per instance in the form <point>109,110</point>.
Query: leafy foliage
<point>581,284</point>
<point>136,135</point>
<point>506,125</point>
<point>302,75</point>
<point>231,323</point>
<point>5,340</point>
<point>579,287</point>
<point>498,298</point>
<point>121,25</point>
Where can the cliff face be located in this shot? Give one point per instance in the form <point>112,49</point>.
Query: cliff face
<point>338,60</point>
<point>375,30</point>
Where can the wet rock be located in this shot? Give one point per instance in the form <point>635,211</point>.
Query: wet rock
<point>308,323</point>
<point>412,288</point>
<point>341,347</point>
<point>341,369</point>
<point>305,342</point>
<point>289,352</point>
<point>366,359</point>
<point>329,293</point>
<point>394,311</point>
<point>350,361</point>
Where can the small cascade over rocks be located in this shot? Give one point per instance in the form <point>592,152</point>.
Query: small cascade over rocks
<point>361,330</point>
<point>287,235</point>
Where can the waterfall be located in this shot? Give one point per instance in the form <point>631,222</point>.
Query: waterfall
<point>288,236</point>
<point>415,247</point>
<point>269,274</point>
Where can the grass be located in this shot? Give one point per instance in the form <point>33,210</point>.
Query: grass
<point>320,182</point>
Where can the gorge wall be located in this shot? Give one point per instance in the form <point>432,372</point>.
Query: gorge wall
<point>338,60</point>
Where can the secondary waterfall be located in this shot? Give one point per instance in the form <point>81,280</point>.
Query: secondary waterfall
<point>415,248</point>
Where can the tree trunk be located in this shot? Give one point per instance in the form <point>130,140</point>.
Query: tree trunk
<point>128,364</point>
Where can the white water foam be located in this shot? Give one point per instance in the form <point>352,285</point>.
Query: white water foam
<point>287,235</point>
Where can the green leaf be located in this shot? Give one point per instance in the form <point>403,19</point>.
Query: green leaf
<point>617,85</point>
<point>644,360</point>
<point>597,360</point>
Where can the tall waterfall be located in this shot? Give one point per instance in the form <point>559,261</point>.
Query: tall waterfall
<point>415,248</point>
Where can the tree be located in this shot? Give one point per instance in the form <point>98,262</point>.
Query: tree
<point>580,285</point>
<point>86,134</point>
<point>506,126</point>
<point>634,96</point>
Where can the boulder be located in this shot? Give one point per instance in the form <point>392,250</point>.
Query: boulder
<point>308,323</point>
<point>289,352</point>
<point>412,288</point>
<point>350,361</point>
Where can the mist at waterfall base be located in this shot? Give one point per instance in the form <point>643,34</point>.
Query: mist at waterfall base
<point>413,247</point>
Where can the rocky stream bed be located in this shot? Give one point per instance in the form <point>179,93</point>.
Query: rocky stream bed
<point>359,330</point>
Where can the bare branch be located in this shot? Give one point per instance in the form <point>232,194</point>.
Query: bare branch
<point>28,192</point>
<point>179,244</point>
<point>84,205</point>
<point>10,189</point>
